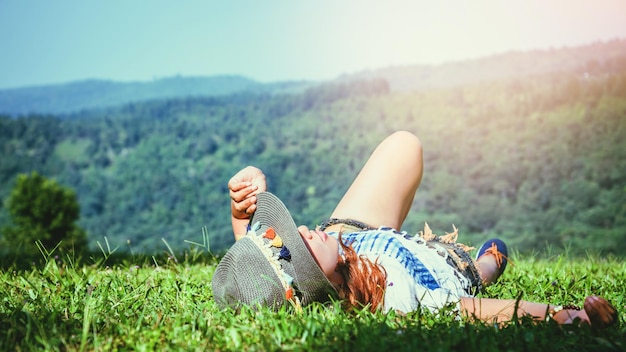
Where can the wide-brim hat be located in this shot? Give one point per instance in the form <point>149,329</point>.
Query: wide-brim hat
<point>271,265</point>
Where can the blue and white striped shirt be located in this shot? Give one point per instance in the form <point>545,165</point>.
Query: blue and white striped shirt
<point>416,274</point>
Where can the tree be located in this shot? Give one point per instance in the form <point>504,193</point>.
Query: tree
<point>42,210</point>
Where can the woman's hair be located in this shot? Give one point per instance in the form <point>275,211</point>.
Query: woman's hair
<point>364,281</point>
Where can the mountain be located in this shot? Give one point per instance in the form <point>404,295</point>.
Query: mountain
<point>97,94</point>
<point>535,158</point>
<point>513,64</point>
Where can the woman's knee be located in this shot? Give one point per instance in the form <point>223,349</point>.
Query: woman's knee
<point>406,139</point>
<point>406,143</point>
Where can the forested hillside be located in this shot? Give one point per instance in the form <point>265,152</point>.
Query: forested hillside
<point>535,159</point>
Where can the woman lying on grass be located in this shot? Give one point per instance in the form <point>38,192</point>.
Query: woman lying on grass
<point>358,256</point>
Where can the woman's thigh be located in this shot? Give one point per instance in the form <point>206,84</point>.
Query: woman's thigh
<point>383,191</point>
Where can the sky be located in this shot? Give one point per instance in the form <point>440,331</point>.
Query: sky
<point>49,42</point>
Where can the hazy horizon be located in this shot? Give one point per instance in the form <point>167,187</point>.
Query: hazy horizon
<point>52,43</point>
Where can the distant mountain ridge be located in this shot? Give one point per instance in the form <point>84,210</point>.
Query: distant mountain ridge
<point>97,94</point>
<point>585,58</point>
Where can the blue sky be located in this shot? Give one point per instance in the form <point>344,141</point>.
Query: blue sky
<point>44,42</point>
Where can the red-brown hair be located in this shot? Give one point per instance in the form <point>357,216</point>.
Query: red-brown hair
<point>364,281</point>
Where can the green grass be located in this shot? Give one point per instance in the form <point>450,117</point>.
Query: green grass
<point>165,303</point>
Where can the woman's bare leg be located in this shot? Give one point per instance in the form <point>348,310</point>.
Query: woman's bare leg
<point>383,191</point>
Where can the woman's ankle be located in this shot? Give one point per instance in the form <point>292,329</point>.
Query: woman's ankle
<point>488,269</point>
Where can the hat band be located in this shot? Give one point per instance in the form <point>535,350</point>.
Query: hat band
<point>274,240</point>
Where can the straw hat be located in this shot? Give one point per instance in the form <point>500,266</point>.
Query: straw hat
<point>271,265</point>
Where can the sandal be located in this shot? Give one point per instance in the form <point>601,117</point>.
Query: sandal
<point>600,313</point>
<point>496,248</point>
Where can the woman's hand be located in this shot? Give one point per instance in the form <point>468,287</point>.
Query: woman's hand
<point>243,188</point>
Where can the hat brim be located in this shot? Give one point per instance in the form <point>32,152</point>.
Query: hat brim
<point>310,282</point>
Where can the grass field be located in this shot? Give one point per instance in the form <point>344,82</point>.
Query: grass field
<point>165,303</point>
